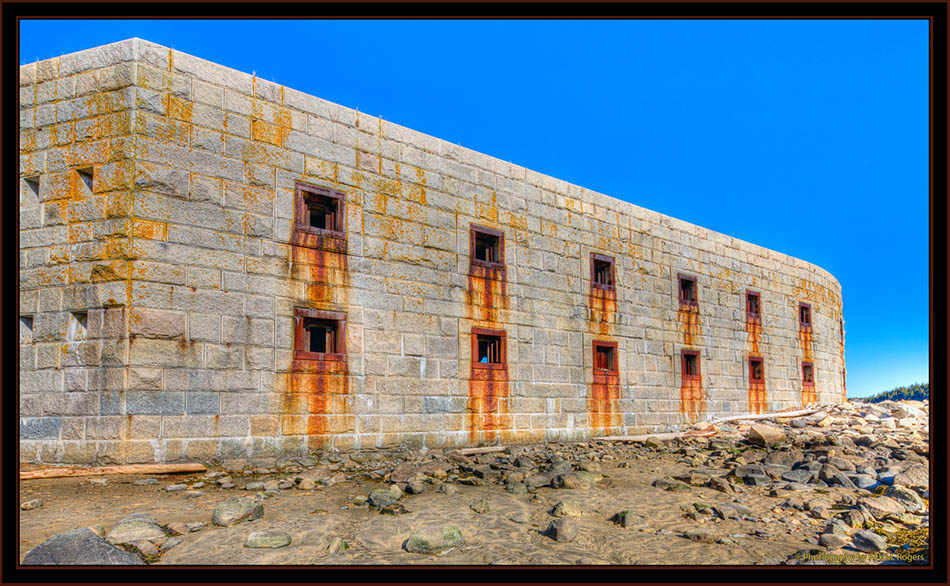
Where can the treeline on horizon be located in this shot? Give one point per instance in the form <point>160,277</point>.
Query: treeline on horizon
<point>915,392</point>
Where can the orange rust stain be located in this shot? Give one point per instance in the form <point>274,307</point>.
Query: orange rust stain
<point>753,330</point>
<point>692,399</point>
<point>487,294</point>
<point>757,397</point>
<point>805,340</point>
<point>488,410</point>
<point>809,395</point>
<point>688,317</point>
<point>602,404</point>
<point>603,309</point>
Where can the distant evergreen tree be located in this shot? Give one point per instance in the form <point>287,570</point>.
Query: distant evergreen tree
<point>915,392</point>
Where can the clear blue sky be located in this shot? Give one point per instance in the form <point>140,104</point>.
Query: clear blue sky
<point>806,137</point>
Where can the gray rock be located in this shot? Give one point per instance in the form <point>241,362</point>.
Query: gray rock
<point>272,486</point>
<point>286,485</point>
<point>562,530</point>
<point>516,488</point>
<point>192,494</point>
<point>520,517</point>
<point>566,509</point>
<point>226,485</point>
<point>235,510</point>
<point>196,526</point>
<point>79,547</point>
<point>801,475</point>
<point>571,480</point>
<point>435,540</point>
<point>267,540</point>
<point>881,506</point>
<point>171,542</point>
<point>833,540</point>
<point>307,484</point>
<point>854,518</point>
<point>537,480</point>
<point>134,528</point>
<point>670,484</point>
<point>700,535</point>
<point>864,481</point>
<point>197,485</point>
<point>31,504</point>
<point>869,541</point>
<point>381,498</point>
<point>176,487</point>
<point>448,489</point>
<point>415,487</point>
<point>733,510</point>
<point>146,481</point>
<point>146,549</point>
<point>629,519</point>
<point>337,546</point>
<point>915,476</point>
<point>906,497</point>
<point>786,458</point>
<point>256,485</point>
<point>176,528</point>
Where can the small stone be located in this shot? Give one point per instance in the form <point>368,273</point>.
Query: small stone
<point>176,487</point>
<point>337,546</point>
<point>99,481</point>
<point>267,540</point>
<point>256,485</point>
<point>192,494</point>
<point>415,487</point>
<point>198,485</point>
<point>381,498</point>
<point>537,480</point>
<point>235,510</point>
<point>520,517</point>
<point>881,506</point>
<point>566,509</point>
<point>196,526</point>
<point>134,528</point>
<point>562,530</point>
<point>833,540</point>
<point>700,535</point>
<point>272,486</point>
<point>764,435</point>
<point>516,488</point>
<point>670,484</point>
<point>869,541</point>
<point>391,509</point>
<point>307,484</point>
<point>31,504</point>
<point>176,528</point>
<point>146,549</point>
<point>171,542</point>
<point>801,475</point>
<point>480,506</point>
<point>629,519</point>
<point>146,481</point>
<point>435,540</point>
<point>448,489</point>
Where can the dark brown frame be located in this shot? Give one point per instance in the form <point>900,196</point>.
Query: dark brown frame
<point>749,294</point>
<point>810,365</point>
<point>594,258</point>
<point>301,193</point>
<point>476,332</point>
<point>615,354</point>
<point>699,371</point>
<point>474,230</point>
<point>761,361</point>
<point>302,336</point>
<point>679,290</point>
<point>802,323</point>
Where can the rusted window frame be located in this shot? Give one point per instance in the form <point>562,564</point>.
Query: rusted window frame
<point>594,259</point>
<point>302,336</point>
<point>615,354</point>
<point>699,371</point>
<point>761,361</point>
<point>810,365</point>
<point>476,332</point>
<point>801,323</point>
<point>679,290</point>
<point>311,236</point>
<point>749,294</point>
<point>474,230</point>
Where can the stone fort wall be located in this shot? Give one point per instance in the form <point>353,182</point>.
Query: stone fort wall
<point>171,270</point>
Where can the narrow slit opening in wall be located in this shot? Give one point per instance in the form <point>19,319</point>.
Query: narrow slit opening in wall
<point>77,325</point>
<point>26,329</point>
<point>756,370</point>
<point>489,349</point>
<point>808,373</point>
<point>804,315</point>
<point>486,247</point>
<point>85,174</point>
<point>690,365</point>
<point>752,303</point>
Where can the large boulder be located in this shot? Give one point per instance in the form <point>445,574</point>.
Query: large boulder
<point>881,506</point>
<point>79,547</point>
<point>905,497</point>
<point>233,511</point>
<point>765,435</point>
<point>136,528</point>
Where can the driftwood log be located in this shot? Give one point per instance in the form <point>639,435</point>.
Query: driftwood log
<point>106,470</point>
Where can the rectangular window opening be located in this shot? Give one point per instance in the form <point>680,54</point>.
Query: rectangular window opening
<point>841,329</point>
<point>756,370</point>
<point>605,356</point>
<point>488,348</point>
<point>808,373</point>
<point>77,325</point>
<point>85,174</point>
<point>690,365</point>
<point>487,246</point>
<point>319,211</point>
<point>804,315</point>
<point>322,212</point>
<point>688,290</point>
<point>602,271</point>
<point>319,335</point>
<point>752,304</point>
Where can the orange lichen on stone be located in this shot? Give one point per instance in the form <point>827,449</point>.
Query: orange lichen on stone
<point>179,109</point>
<point>692,399</point>
<point>149,229</point>
<point>264,132</point>
<point>602,404</point>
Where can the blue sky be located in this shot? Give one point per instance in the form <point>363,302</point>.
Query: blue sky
<point>806,137</point>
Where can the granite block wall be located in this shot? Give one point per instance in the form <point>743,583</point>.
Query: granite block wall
<point>170,270</point>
